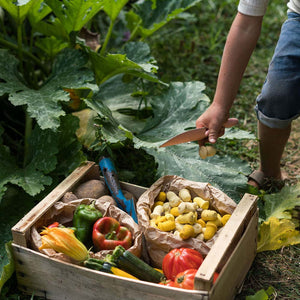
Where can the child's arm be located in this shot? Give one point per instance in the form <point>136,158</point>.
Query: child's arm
<point>241,41</point>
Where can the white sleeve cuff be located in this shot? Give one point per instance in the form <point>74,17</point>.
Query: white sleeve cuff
<point>253,7</point>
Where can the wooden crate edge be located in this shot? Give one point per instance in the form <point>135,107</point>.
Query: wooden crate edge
<point>30,280</point>
<point>238,264</point>
<point>20,230</point>
<point>227,240</point>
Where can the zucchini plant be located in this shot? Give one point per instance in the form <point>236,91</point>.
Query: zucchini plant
<point>51,59</point>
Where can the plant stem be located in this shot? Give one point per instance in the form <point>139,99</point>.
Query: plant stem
<point>28,121</point>
<point>134,31</point>
<point>28,129</point>
<point>26,53</point>
<point>20,47</point>
<point>107,38</point>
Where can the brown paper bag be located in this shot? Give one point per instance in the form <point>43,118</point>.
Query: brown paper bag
<point>63,213</point>
<point>159,243</point>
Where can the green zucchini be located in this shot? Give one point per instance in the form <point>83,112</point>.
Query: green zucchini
<point>97,264</point>
<point>133,265</point>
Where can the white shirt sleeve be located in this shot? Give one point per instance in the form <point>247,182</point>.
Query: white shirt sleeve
<point>253,7</point>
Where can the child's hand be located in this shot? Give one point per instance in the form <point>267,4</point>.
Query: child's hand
<point>215,119</point>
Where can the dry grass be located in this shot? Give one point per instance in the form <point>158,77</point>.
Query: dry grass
<point>280,269</point>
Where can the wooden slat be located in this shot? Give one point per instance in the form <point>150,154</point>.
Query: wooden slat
<point>225,242</point>
<point>135,190</point>
<point>21,229</point>
<point>238,265</point>
<point>56,280</point>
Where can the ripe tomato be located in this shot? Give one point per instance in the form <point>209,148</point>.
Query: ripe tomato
<point>168,282</point>
<point>216,275</point>
<point>185,279</point>
<point>179,260</point>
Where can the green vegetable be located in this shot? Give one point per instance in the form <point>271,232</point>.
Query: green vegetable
<point>101,265</point>
<point>133,265</point>
<point>83,220</point>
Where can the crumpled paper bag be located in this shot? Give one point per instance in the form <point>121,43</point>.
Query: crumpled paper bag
<point>63,213</point>
<point>159,243</point>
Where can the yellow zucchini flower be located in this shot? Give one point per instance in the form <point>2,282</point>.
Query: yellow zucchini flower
<point>63,240</point>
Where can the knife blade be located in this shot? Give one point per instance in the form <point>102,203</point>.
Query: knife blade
<point>187,136</point>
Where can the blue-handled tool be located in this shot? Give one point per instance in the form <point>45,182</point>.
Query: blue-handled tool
<point>111,179</point>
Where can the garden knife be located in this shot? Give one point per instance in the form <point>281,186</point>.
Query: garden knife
<point>111,179</point>
<point>187,136</point>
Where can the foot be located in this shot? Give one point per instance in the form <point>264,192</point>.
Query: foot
<point>268,184</point>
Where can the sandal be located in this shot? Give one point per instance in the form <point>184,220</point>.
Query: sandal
<point>270,185</point>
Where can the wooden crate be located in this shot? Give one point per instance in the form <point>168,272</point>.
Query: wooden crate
<point>37,273</point>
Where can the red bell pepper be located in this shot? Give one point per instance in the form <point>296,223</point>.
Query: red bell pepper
<point>108,234</point>
<point>55,224</point>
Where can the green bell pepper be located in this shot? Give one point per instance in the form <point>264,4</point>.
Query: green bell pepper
<point>84,218</point>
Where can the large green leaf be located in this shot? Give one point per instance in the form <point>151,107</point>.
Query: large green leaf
<point>8,166</point>
<point>262,294</point>
<point>44,104</point>
<point>148,18</point>
<point>224,172</point>
<point>43,148</point>
<point>76,13</point>
<point>70,154</point>
<point>110,129</point>
<point>113,7</point>
<point>31,180</point>
<point>43,145</point>
<point>13,207</point>
<point>140,53</point>
<point>9,268</point>
<point>48,151</point>
<point>38,11</point>
<point>17,9</point>
<point>118,97</point>
<point>175,110</point>
<point>279,205</point>
<point>111,65</point>
<point>52,27</point>
<point>51,45</point>
<point>278,229</point>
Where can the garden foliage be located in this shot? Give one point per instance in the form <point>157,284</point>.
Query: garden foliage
<point>44,60</point>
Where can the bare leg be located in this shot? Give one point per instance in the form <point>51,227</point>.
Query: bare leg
<point>272,142</point>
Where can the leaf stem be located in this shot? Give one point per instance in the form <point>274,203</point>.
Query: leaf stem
<point>134,31</point>
<point>26,53</point>
<point>20,47</point>
<point>107,38</point>
<point>28,130</point>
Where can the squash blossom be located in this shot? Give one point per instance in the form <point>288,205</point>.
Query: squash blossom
<point>64,240</point>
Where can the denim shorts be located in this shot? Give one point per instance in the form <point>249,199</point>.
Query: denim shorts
<point>279,101</point>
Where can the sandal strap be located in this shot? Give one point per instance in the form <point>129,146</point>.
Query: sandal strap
<point>258,177</point>
<point>267,184</point>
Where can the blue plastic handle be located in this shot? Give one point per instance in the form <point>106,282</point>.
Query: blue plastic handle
<point>111,179</point>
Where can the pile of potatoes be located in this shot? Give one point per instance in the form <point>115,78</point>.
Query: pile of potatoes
<point>186,217</point>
